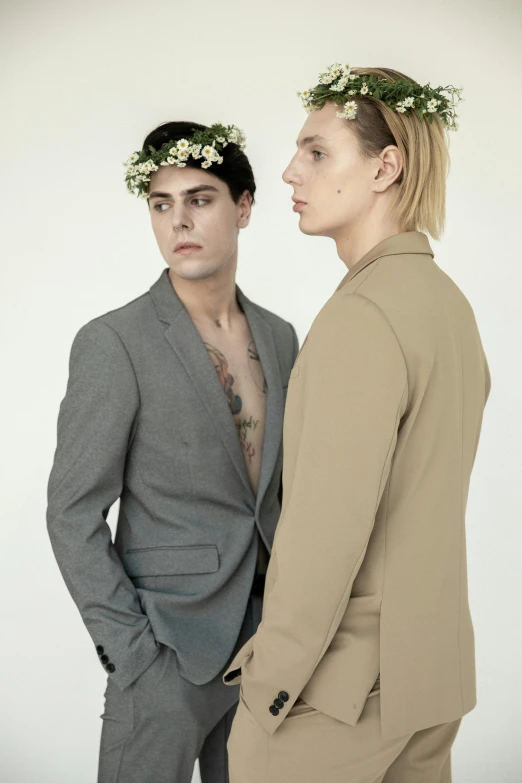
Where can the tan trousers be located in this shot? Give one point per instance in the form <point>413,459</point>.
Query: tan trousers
<point>311,747</point>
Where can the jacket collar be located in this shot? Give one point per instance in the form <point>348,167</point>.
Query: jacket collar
<point>406,243</point>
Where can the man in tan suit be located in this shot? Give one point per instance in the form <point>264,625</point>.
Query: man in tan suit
<point>363,664</point>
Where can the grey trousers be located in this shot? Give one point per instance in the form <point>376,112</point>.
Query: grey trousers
<point>155,729</point>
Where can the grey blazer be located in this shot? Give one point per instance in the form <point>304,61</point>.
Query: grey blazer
<point>145,420</point>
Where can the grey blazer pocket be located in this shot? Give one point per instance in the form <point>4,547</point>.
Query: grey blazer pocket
<point>171,560</point>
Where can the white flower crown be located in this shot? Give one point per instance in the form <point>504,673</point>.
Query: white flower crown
<point>207,144</point>
<point>340,85</point>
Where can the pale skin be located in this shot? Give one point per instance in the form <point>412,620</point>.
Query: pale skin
<point>190,205</point>
<point>347,195</point>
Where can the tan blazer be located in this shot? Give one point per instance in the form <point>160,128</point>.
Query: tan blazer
<point>368,567</point>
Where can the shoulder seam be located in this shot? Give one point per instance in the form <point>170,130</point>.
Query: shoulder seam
<point>113,330</point>
<point>366,299</point>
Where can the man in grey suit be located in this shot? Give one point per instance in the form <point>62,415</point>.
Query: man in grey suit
<point>174,405</point>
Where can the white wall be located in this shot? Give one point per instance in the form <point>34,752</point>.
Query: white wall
<point>81,84</point>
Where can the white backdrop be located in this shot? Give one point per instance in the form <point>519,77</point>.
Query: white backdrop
<point>81,84</point>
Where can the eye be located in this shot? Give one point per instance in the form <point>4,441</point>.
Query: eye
<point>158,207</point>
<point>316,152</point>
<point>203,200</point>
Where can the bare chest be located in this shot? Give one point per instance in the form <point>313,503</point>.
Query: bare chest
<point>240,374</point>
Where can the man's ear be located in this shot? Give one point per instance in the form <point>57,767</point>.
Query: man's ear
<point>245,209</point>
<point>389,169</point>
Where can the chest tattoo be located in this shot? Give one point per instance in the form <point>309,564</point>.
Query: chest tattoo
<point>226,379</point>
<point>256,370</point>
<point>245,427</point>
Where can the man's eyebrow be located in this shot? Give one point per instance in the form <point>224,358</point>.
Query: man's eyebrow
<point>189,192</point>
<point>310,140</point>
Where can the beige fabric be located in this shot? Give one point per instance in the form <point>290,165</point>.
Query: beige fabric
<point>311,746</point>
<point>368,567</point>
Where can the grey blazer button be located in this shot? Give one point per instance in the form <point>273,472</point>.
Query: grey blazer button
<point>283,695</point>
<point>273,710</point>
<point>99,649</point>
<point>104,658</point>
<point>111,667</point>
<point>279,703</point>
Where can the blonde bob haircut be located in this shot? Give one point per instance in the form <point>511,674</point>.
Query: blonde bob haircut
<point>420,201</point>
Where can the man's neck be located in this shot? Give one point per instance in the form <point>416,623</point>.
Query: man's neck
<point>355,242</point>
<point>209,301</point>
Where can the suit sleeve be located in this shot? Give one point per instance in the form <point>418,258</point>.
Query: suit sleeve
<point>350,384</point>
<point>295,347</point>
<point>95,425</point>
<point>295,351</point>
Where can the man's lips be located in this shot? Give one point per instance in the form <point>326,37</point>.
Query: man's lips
<point>185,248</point>
<point>298,206</point>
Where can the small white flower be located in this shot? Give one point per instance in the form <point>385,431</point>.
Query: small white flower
<point>326,78</point>
<point>173,151</point>
<point>351,92</point>
<point>144,195</point>
<point>207,151</point>
<point>206,164</point>
<point>409,102</point>
<point>183,145</point>
<point>400,108</point>
<point>183,156</point>
<point>432,105</point>
<point>164,163</point>
<point>346,69</point>
<point>134,157</point>
<point>364,89</point>
<point>180,165</point>
<point>349,111</point>
<point>220,159</point>
<point>353,77</point>
<point>220,139</point>
<point>171,160</point>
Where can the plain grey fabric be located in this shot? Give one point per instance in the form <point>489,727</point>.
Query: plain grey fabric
<point>145,420</point>
<point>154,730</point>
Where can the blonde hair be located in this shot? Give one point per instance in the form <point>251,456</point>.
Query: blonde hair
<point>420,201</point>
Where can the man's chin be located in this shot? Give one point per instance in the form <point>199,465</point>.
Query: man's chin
<point>306,227</point>
<point>195,270</point>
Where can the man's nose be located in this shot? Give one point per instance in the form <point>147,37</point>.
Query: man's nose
<point>290,173</point>
<point>180,218</point>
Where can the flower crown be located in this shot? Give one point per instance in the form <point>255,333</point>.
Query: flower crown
<point>207,144</point>
<point>340,85</point>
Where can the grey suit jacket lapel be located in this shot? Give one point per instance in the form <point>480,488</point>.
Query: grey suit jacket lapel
<point>265,344</point>
<point>190,350</point>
